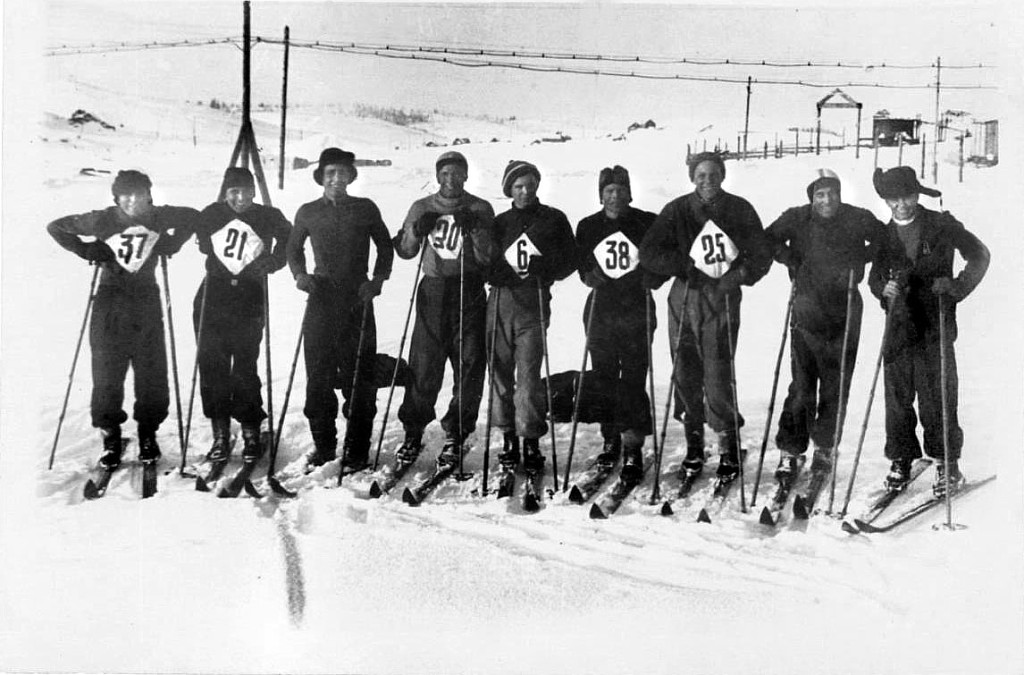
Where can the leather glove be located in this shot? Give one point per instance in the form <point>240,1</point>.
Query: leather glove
<point>97,252</point>
<point>369,290</point>
<point>306,283</point>
<point>538,266</point>
<point>729,282</point>
<point>426,224</point>
<point>945,286</point>
<point>595,278</point>
<point>262,266</point>
<point>466,220</point>
<point>652,281</point>
<point>792,260</point>
<point>686,268</point>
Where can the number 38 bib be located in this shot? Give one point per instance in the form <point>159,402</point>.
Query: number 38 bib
<point>236,245</point>
<point>713,252</point>
<point>133,246</point>
<point>616,255</point>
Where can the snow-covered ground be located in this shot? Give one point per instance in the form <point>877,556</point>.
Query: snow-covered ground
<point>333,582</point>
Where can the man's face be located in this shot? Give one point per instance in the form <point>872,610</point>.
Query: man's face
<point>825,201</point>
<point>903,208</point>
<point>524,190</point>
<point>239,198</point>
<point>336,179</point>
<point>707,178</point>
<point>136,204</point>
<point>451,178</point>
<point>615,199</point>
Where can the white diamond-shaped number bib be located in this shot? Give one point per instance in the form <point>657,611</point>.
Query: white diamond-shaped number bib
<point>519,253</point>
<point>616,255</point>
<point>133,246</point>
<point>713,252</point>
<point>446,239</point>
<point>236,245</point>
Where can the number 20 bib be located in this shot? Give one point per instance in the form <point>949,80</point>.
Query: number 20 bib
<point>236,245</point>
<point>446,238</point>
<point>713,252</point>
<point>133,246</point>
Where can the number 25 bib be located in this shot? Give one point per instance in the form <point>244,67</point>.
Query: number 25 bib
<point>713,252</point>
<point>133,246</point>
<point>236,245</point>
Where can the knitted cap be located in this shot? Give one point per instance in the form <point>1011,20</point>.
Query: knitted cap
<point>334,156</point>
<point>451,157</point>
<point>517,169</point>
<point>823,177</point>
<point>691,164</point>
<point>616,174</point>
<point>130,181</point>
<point>899,182</point>
<point>237,176</point>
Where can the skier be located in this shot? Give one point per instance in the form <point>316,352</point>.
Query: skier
<point>236,236</point>
<point>608,243</point>
<point>821,243</point>
<point>712,242</point>
<point>535,248</point>
<point>126,326</point>
<point>453,227</point>
<point>339,310</point>
<point>912,276</point>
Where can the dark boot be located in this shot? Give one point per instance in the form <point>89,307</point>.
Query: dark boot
<point>899,475</point>
<point>220,451</point>
<point>822,460</point>
<point>956,479</point>
<point>325,442</point>
<point>452,450</point>
<point>693,464</point>
<point>149,451</point>
<point>533,461</point>
<point>356,451</point>
<point>728,455</point>
<point>610,451</point>
<point>509,457</point>
<point>252,446</point>
<point>411,447</point>
<point>632,457</point>
<point>112,447</point>
<point>787,466</point>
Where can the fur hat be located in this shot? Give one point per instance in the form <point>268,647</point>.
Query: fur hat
<point>616,174</point>
<point>517,169</point>
<point>823,177</point>
<point>334,156</point>
<point>237,176</point>
<point>694,160</point>
<point>130,181</point>
<point>899,182</point>
<point>451,157</point>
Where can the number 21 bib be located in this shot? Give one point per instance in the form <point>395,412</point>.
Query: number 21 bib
<point>713,252</point>
<point>236,245</point>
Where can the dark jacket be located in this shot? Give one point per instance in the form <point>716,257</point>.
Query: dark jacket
<point>551,234</point>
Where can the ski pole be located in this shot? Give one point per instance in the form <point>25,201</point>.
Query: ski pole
<point>579,389</point>
<point>771,400</point>
<point>195,370</point>
<point>490,388</point>
<point>675,358</point>
<point>735,403</point>
<point>355,382</point>
<point>74,362</point>
<point>275,484</point>
<point>945,411</point>
<point>398,359</point>
<point>841,412</point>
<point>174,355</point>
<point>547,381</point>
<point>656,492</point>
<point>270,378</point>
<point>461,475</point>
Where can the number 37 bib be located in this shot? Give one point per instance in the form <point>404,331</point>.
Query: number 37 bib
<point>713,252</point>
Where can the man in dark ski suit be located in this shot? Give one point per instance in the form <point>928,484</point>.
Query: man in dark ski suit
<point>617,310</point>
<point>912,275</point>
<point>712,242</point>
<point>340,228</point>
<point>822,243</point>
<point>534,248</point>
<point>451,229</point>
<point>126,326</point>
<point>236,236</point>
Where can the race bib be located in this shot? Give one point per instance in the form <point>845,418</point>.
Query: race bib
<point>616,255</point>
<point>236,245</point>
<point>133,246</point>
<point>713,252</point>
<point>518,254</point>
<point>446,238</point>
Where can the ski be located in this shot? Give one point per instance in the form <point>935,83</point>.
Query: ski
<point>716,501</point>
<point>771,514</point>
<point>149,478</point>
<point>238,481</point>
<point>531,491</point>
<point>920,506</point>
<point>391,474</point>
<point>506,482</point>
<point>96,485</point>
<point>620,489</point>
<point>690,478</point>
<point>590,481</point>
<point>216,470</point>
<point>887,497</point>
<point>804,504</point>
<point>415,496</point>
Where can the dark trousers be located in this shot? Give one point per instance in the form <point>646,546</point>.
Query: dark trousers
<point>331,338</point>
<point>435,340</point>
<point>229,348</point>
<point>127,328</point>
<point>618,346</point>
<point>917,371</point>
<point>812,404</point>
<point>703,373</point>
<point>520,402</point>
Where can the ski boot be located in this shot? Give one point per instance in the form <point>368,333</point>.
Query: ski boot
<point>899,475</point>
<point>252,447</point>
<point>787,466</point>
<point>149,451</point>
<point>450,453</point>
<point>728,456</point>
<point>693,463</point>
<point>610,451</point>
<point>822,461</point>
<point>632,462</point>
<point>509,456</point>
<point>410,449</point>
<point>220,451</point>
<point>533,461</point>
<point>355,455</point>
<point>325,444</point>
<point>956,479</point>
<point>112,448</point>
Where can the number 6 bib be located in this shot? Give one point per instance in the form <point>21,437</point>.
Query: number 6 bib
<point>616,255</point>
<point>236,245</point>
<point>713,252</point>
<point>133,246</point>
<point>518,254</point>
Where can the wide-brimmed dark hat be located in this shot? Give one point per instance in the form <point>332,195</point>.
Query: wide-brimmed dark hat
<point>899,182</point>
<point>334,156</point>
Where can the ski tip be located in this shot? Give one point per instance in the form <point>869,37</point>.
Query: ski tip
<point>865,527</point>
<point>575,496</point>
<point>251,490</point>
<point>280,490</point>
<point>531,504</point>
<point>597,513</point>
<point>850,528</point>
<point>375,491</point>
<point>766,517</point>
<point>800,508</point>
<point>201,485</point>
<point>703,516</point>
<point>409,498</point>
<point>666,509</point>
<point>90,491</point>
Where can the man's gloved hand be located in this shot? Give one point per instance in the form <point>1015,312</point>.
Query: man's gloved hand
<point>466,220</point>
<point>792,260</point>
<point>97,252</point>
<point>306,283</point>
<point>262,266</point>
<point>729,282</point>
<point>426,224</point>
<point>369,290</point>
<point>595,278</point>
<point>538,267</point>
<point>945,286</point>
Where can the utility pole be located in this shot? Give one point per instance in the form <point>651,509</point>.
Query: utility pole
<point>938,122</point>
<point>746,121</point>
<point>284,111</point>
